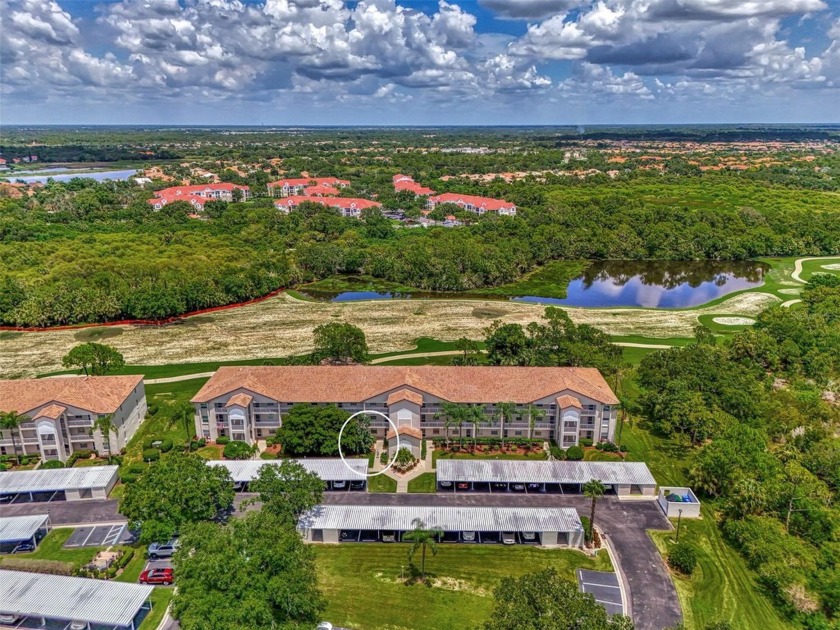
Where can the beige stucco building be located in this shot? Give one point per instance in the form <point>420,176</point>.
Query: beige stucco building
<point>560,404</point>
<point>61,412</point>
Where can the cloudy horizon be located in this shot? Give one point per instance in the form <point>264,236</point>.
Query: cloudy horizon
<point>387,62</point>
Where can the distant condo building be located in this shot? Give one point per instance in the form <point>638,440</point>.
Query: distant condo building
<point>198,195</point>
<point>298,186</point>
<point>404,182</point>
<point>347,206</point>
<point>564,404</point>
<point>472,203</point>
<point>59,414</point>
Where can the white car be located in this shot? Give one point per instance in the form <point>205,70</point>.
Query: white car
<point>8,618</point>
<point>324,625</point>
<point>508,538</point>
<point>339,485</point>
<point>468,536</point>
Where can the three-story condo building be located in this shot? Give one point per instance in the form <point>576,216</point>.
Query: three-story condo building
<point>560,404</point>
<point>59,414</point>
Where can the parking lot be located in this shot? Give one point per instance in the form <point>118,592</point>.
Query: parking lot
<point>603,587</point>
<point>100,536</point>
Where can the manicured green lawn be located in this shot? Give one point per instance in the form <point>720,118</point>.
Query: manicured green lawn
<point>600,456</point>
<point>160,599</point>
<point>382,483</point>
<point>423,483</point>
<point>51,548</point>
<point>532,456</point>
<point>131,572</point>
<point>721,588</point>
<point>364,590</point>
<point>212,452</point>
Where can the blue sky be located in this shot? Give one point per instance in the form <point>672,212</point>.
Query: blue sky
<point>404,62</point>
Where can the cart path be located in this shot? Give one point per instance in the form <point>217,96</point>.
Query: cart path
<point>797,266</point>
<point>390,358</point>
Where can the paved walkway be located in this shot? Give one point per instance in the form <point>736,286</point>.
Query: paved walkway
<point>177,379</point>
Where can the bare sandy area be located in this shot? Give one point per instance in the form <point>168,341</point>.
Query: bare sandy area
<point>282,326</point>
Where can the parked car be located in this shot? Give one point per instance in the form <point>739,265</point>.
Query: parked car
<point>6,498</point>
<point>468,536</point>
<point>389,537</point>
<point>518,487</point>
<point>534,486</point>
<point>445,484</point>
<point>339,485</point>
<point>78,625</point>
<point>499,485</point>
<point>4,618</point>
<point>163,550</point>
<point>463,486</point>
<point>157,576</point>
<point>324,625</point>
<point>24,547</point>
<point>239,486</point>
<point>508,538</point>
<point>529,536</point>
<point>357,485</point>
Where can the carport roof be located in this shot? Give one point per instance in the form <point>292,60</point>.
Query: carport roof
<point>57,479</point>
<point>16,528</point>
<point>326,469</point>
<point>621,473</point>
<point>71,598</point>
<point>449,519</point>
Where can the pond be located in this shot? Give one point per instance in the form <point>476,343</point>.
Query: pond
<point>66,175</point>
<point>648,284</point>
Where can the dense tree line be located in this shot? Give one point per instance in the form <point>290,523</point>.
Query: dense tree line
<point>765,443</point>
<point>87,252</point>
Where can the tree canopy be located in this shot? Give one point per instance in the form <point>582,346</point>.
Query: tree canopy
<point>309,430</point>
<point>95,359</point>
<point>547,601</point>
<point>252,572</point>
<point>287,490</point>
<point>178,490</point>
<point>340,343</point>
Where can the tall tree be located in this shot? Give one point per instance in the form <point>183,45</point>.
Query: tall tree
<point>10,421</point>
<point>287,490</point>
<point>311,431</point>
<point>593,489</point>
<point>505,411</point>
<point>470,352</point>
<point>251,572</point>
<point>507,344</point>
<point>183,415</point>
<point>340,343</point>
<point>534,413</point>
<point>548,601</point>
<point>476,417</point>
<point>178,490</point>
<point>455,414</point>
<point>95,359</point>
<point>105,425</point>
<point>421,538</point>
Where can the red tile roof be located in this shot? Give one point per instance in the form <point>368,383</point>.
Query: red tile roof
<point>53,412</point>
<point>405,394</point>
<point>309,181</point>
<point>405,430</point>
<point>357,383</point>
<point>98,394</point>
<point>243,400</point>
<point>332,202</point>
<point>320,189</point>
<point>486,203</point>
<point>404,182</point>
<point>565,402</point>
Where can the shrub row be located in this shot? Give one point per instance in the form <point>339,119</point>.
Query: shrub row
<point>51,464</point>
<point>77,455</point>
<point>53,567</point>
<point>238,450</point>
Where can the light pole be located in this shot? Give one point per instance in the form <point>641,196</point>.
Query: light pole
<point>679,520</point>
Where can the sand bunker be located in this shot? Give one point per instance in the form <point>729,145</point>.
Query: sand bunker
<point>733,321</point>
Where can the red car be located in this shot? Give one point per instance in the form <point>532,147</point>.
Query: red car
<point>157,576</point>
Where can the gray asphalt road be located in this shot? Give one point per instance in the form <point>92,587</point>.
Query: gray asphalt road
<point>652,597</point>
<point>69,512</point>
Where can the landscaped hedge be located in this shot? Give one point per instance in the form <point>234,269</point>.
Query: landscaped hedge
<point>151,454</point>
<point>77,455</point>
<point>683,557</point>
<point>166,446</point>
<point>53,567</point>
<point>586,442</point>
<point>440,442</point>
<point>238,450</point>
<point>222,439</point>
<point>557,453</point>
<point>574,453</point>
<point>152,409</point>
<point>51,464</point>
<point>197,444</point>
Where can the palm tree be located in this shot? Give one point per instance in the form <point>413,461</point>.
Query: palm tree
<point>185,414</point>
<point>105,425</point>
<point>421,538</point>
<point>476,416</point>
<point>534,412</point>
<point>457,415</point>
<point>505,411</point>
<point>11,421</point>
<point>593,489</point>
<point>448,412</point>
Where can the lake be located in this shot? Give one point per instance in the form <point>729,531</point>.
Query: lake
<point>647,284</point>
<point>66,175</point>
